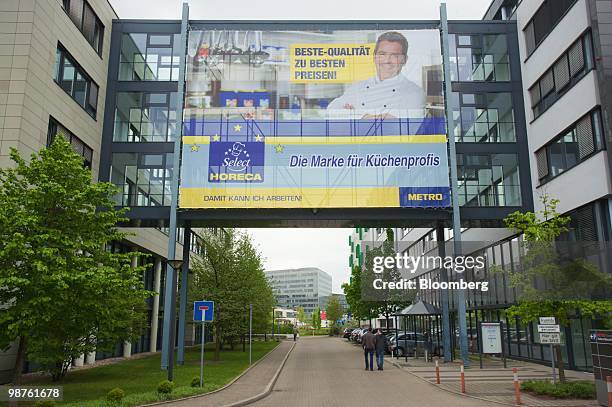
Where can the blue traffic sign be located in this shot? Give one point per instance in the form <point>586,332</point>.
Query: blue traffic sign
<point>203,311</point>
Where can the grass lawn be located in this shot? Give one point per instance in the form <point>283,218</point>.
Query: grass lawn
<point>139,377</point>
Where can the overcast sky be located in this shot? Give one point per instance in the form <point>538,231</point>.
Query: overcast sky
<point>311,10</point>
<point>326,249</point>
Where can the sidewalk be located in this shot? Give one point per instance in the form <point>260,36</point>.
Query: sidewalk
<point>251,384</point>
<point>493,382</point>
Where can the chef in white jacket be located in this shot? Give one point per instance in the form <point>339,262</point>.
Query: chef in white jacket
<point>388,93</point>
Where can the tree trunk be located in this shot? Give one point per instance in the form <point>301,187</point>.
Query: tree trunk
<point>19,362</point>
<point>217,342</point>
<point>559,358</point>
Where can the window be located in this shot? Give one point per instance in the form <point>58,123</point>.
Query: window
<point>484,118</point>
<point>572,66</point>
<point>478,57</point>
<point>571,147</point>
<point>55,128</point>
<point>488,180</point>
<point>143,179</point>
<point>86,20</point>
<point>145,117</point>
<point>149,57</point>
<point>75,81</point>
<point>544,21</point>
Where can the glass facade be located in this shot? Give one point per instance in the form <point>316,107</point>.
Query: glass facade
<point>143,179</point>
<point>479,57</point>
<point>488,180</point>
<point>149,57</point>
<point>145,117</point>
<point>484,117</point>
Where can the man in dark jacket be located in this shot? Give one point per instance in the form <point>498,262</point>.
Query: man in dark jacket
<point>368,341</point>
<point>381,345</point>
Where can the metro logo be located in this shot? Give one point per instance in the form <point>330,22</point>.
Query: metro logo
<point>425,197</point>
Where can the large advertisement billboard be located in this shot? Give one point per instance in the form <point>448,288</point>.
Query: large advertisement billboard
<point>314,119</point>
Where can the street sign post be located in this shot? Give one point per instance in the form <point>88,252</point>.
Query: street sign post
<point>203,311</point>
<point>550,334</point>
<point>549,329</point>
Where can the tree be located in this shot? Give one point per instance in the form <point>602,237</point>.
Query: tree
<point>334,311</point>
<point>231,274</point>
<point>551,283</point>
<point>301,315</point>
<point>316,318</point>
<point>65,292</point>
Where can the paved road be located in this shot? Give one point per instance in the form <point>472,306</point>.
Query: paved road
<point>330,372</point>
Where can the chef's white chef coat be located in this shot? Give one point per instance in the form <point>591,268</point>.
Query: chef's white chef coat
<point>396,96</point>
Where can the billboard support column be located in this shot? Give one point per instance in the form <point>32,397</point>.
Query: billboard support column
<point>180,359</point>
<point>446,339</point>
<point>450,126</point>
<point>167,359</point>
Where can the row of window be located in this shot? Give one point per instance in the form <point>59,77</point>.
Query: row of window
<point>562,75</point>
<point>544,21</point>
<point>75,81</point>
<point>86,20</point>
<point>571,147</point>
<point>55,128</point>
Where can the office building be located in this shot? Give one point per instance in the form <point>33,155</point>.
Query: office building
<point>54,60</point>
<point>307,287</point>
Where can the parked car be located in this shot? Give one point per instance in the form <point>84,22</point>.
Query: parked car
<point>347,333</point>
<point>354,334</point>
<point>406,343</point>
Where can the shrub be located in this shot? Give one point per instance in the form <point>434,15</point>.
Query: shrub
<point>578,389</point>
<point>115,395</point>
<point>45,403</point>
<point>195,382</point>
<point>165,387</point>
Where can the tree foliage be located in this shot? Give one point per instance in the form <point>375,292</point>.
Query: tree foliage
<point>316,318</point>
<point>549,282</point>
<point>334,310</point>
<point>231,274</point>
<point>301,315</point>
<point>64,291</point>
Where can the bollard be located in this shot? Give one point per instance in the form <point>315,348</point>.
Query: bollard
<point>438,373</point>
<point>609,381</point>
<point>517,386</point>
<point>462,379</point>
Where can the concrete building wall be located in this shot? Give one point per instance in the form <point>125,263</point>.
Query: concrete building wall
<point>29,33</point>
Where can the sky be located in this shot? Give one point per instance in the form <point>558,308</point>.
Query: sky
<point>326,249</point>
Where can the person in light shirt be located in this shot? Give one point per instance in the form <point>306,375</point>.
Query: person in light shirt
<point>388,93</point>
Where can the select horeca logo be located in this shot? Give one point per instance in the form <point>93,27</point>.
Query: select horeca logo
<point>236,162</point>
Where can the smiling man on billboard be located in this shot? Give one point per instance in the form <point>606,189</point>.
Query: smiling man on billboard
<point>387,92</point>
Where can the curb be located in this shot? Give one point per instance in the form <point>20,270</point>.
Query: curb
<point>159,403</point>
<point>468,395</point>
<point>270,386</point>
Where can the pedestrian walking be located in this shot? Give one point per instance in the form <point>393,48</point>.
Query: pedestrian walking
<point>381,345</point>
<point>295,333</point>
<point>368,341</point>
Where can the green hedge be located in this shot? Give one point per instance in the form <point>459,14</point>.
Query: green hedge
<point>575,390</point>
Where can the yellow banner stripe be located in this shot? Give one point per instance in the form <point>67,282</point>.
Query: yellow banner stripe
<point>417,139</point>
<point>250,196</point>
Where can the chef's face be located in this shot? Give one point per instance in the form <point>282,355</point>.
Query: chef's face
<point>389,59</point>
